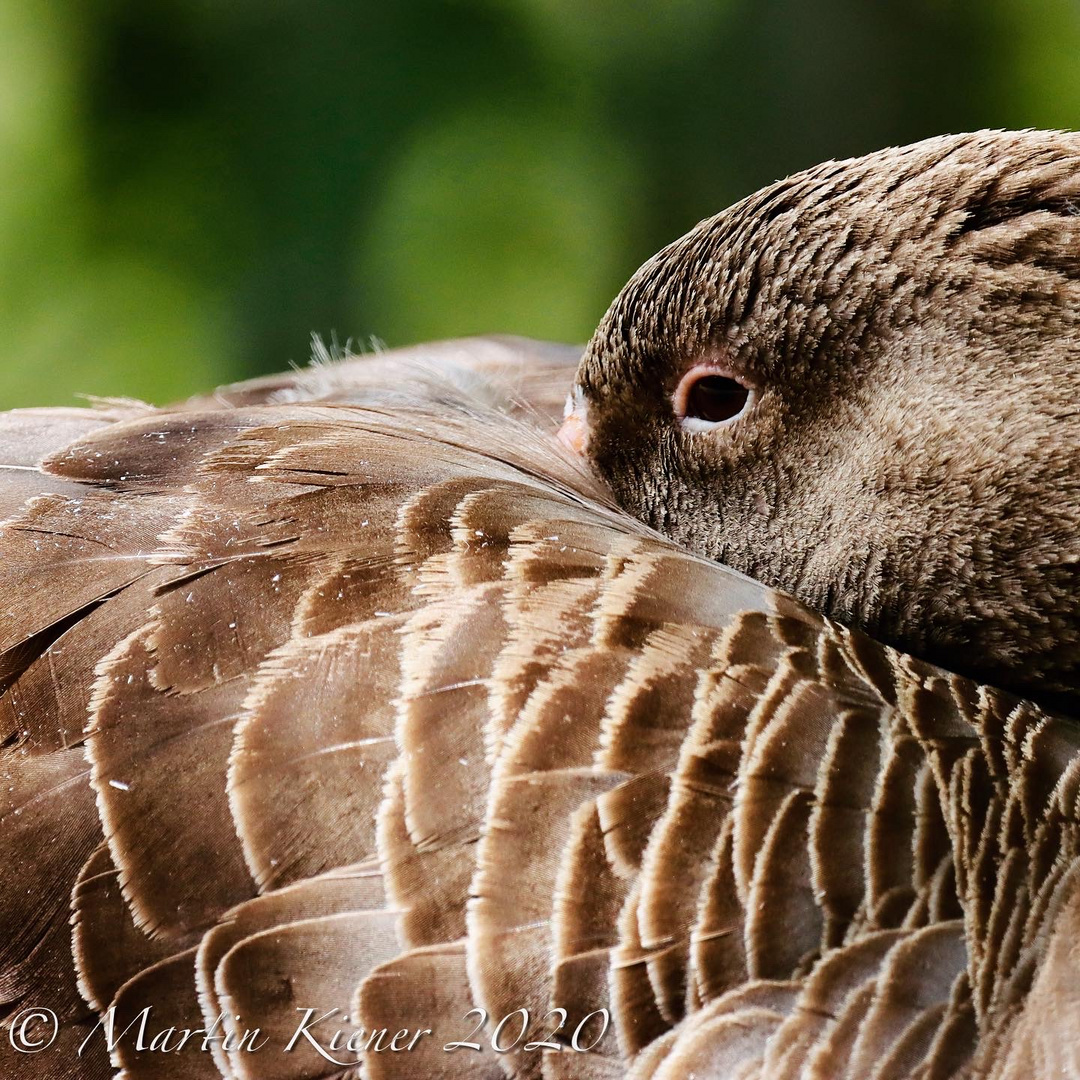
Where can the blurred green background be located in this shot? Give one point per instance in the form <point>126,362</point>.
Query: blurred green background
<point>189,188</point>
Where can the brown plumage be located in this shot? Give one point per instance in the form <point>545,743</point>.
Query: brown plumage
<point>909,324</point>
<point>351,690</point>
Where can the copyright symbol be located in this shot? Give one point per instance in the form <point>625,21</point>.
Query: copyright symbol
<point>33,1030</point>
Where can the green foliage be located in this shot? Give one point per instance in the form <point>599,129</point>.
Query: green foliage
<point>188,189</point>
<point>498,220</point>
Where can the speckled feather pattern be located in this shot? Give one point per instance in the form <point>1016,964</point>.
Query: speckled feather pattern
<point>389,719</point>
<point>910,323</point>
<point>351,690</point>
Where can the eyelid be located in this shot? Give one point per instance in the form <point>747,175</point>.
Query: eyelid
<point>682,393</point>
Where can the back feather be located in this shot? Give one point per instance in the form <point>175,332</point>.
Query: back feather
<point>348,692</point>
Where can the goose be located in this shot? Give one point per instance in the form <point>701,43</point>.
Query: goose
<point>388,720</point>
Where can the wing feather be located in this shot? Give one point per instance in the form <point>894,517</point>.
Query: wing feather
<point>350,688</point>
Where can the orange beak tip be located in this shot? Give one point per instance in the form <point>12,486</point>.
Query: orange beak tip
<point>573,434</point>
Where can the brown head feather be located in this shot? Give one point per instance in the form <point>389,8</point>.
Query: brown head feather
<point>908,324</point>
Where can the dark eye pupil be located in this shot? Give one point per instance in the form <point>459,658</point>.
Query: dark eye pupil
<point>715,398</point>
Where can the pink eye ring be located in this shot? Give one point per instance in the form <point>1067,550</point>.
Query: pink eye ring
<point>707,397</point>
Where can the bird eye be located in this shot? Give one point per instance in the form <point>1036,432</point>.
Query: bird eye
<point>706,398</point>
